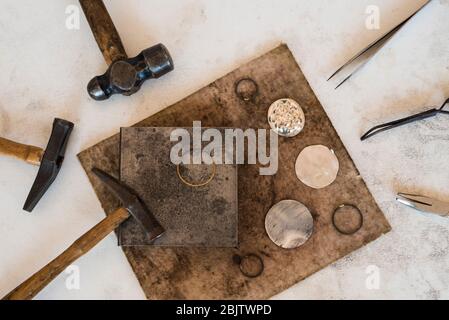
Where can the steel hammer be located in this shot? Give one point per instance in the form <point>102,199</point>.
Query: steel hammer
<point>132,206</point>
<point>125,75</point>
<point>50,160</point>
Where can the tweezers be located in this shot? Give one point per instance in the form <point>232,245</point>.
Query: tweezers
<point>397,123</point>
<point>376,44</point>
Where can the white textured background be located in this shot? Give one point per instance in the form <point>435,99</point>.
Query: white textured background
<point>45,68</point>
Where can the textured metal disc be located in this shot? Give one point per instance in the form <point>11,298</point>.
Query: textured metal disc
<point>289,224</point>
<point>286,117</point>
<point>317,166</point>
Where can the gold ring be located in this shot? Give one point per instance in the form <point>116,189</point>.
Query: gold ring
<point>196,185</point>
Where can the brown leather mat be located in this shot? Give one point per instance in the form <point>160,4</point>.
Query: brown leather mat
<point>208,273</point>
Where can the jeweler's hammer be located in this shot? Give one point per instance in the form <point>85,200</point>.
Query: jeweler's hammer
<point>125,75</point>
<point>50,160</point>
<point>132,206</point>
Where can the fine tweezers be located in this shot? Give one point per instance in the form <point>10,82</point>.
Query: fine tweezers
<point>424,204</point>
<point>368,50</point>
<point>397,123</point>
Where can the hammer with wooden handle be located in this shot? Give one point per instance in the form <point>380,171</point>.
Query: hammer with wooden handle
<point>132,205</point>
<point>125,75</point>
<point>49,161</point>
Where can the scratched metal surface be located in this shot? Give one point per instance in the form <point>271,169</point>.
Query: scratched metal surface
<point>206,273</point>
<point>204,216</point>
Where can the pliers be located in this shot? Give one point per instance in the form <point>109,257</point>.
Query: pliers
<point>424,204</point>
<point>397,123</point>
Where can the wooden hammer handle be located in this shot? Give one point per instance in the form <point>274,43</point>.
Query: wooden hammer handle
<point>42,278</point>
<point>30,154</point>
<point>105,33</point>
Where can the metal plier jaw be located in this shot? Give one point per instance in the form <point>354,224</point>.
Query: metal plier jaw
<point>424,204</point>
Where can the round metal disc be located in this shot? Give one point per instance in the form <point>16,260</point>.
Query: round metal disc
<point>286,117</point>
<point>289,224</point>
<point>317,166</point>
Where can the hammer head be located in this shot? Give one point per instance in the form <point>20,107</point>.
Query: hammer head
<point>133,204</point>
<point>50,163</point>
<point>126,76</point>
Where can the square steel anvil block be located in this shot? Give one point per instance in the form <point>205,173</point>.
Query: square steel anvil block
<point>193,216</point>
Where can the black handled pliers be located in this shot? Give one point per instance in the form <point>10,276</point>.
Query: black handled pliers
<point>397,123</point>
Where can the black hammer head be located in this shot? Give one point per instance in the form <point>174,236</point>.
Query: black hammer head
<point>133,204</point>
<point>126,76</point>
<point>51,162</point>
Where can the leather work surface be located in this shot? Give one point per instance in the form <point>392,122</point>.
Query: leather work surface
<point>211,273</point>
<point>202,216</point>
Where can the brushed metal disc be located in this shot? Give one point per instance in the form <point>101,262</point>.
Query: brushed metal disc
<point>317,166</point>
<point>286,117</point>
<point>289,224</point>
